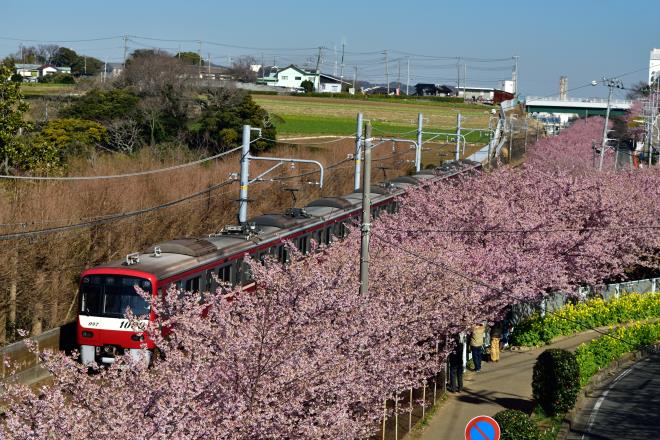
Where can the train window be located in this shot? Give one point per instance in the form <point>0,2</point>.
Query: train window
<point>327,236</point>
<point>303,244</point>
<point>192,285</point>
<point>245,272</point>
<point>283,254</point>
<point>226,273</point>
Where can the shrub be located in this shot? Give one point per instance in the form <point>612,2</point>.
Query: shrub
<point>17,78</point>
<point>570,319</point>
<point>73,137</point>
<point>556,381</point>
<point>516,425</point>
<point>57,78</point>
<point>601,352</point>
<point>103,106</point>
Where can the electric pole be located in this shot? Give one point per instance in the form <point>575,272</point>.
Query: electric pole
<point>355,80</point>
<point>464,79</point>
<point>611,83</point>
<point>515,75</point>
<point>366,214</point>
<point>408,78</point>
<point>125,51</point>
<point>199,58</point>
<point>398,80</point>
<point>341,70</point>
<point>318,71</point>
<point>458,74</point>
<point>387,73</point>
<point>209,65</point>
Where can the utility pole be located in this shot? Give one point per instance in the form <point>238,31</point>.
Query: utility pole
<point>263,66</point>
<point>611,84</point>
<point>515,75</point>
<point>458,74</point>
<point>408,78</point>
<point>458,136</point>
<point>341,69</point>
<point>209,65</point>
<point>464,79</point>
<point>366,215</point>
<point>105,68</point>
<point>358,152</point>
<point>355,80</point>
<point>85,65</point>
<point>420,137</point>
<point>387,73</point>
<point>318,71</point>
<point>199,58</point>
<point>125,51</point>
<point>398,81</point>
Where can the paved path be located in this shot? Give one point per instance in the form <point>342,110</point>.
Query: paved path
<point>626,408</point>
<point>506,384</point>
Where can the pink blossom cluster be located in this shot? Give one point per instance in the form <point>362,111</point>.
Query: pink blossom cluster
<point>306,356</point>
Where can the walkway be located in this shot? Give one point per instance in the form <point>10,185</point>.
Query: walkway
<point>506,384</point>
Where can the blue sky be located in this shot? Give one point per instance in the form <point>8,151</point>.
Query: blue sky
<point>582,39</point>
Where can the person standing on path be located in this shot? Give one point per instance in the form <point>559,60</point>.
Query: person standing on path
<point>477,345</point>
<point>456,365</point>
<point>495,337</point>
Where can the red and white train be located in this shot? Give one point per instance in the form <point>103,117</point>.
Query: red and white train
<point>106,291</point>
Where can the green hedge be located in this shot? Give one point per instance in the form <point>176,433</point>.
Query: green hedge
<point>516,425</point>
<point>601,352</point>
<point>556,381</point>
<point>570,319</point>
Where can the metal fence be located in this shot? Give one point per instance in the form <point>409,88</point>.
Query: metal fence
<point>402,413</point>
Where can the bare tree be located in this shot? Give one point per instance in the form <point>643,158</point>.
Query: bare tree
<point>124,135</point>
<point>241,69</point>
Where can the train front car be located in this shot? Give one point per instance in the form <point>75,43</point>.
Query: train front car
<point>103,331</point>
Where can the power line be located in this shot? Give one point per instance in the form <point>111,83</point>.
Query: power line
<point>522,231</point>
<point>113,217</point>
<point>117,176</point>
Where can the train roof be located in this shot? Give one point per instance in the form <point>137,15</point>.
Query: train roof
<point>172,257</point>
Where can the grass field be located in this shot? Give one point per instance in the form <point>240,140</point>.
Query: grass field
<point>322,116</point>
<point>46,89</point>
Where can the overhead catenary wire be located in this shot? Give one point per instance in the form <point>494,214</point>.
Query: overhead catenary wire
<point>114,217</point>
<point>118,176</point>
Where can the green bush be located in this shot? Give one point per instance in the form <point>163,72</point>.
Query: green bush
<point>556,381</point>
<point>516,425</point>
<point>103,106</point>
<point>57,78</point>
<point>72,137</point>
<point>570,319</point>
<point>601,352</point>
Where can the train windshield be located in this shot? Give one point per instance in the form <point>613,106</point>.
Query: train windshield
<point>111,295</point>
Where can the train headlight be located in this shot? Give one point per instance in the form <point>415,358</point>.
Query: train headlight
<point>87,334</point>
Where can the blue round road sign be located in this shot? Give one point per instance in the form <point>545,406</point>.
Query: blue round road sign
<point>482,428</point>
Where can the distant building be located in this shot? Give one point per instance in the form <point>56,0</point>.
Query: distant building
<point>424,89</point>
<point>654,66</point>
<point>29,72</point>
<point>477,94</point>
<point>114,69</point>
<point>292,76</point>
<point>32,72</point>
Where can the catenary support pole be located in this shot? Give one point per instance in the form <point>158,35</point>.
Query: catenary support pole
<point>245,161</point>
<point>458,137</point>
<point>359,139</point>
<point>366,214</point>
<point>603,145</point>
<point>418,150</point>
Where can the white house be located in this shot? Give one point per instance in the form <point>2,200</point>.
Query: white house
<point>29,72</point>
<point>477,93</point>
<point>292,77</point>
